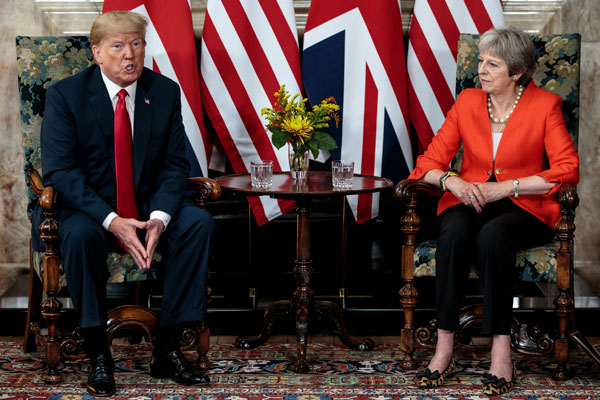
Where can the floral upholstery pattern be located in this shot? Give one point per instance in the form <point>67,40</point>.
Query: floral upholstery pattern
<point>533,265</point>
<point>41,62</point>
<point>121,268</point>
<point>557,72</point>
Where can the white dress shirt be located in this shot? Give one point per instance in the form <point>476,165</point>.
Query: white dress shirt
<point>113,89</point>
<point>496,136</point>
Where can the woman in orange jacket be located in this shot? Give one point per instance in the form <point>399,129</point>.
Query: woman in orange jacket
<point>516,154</point>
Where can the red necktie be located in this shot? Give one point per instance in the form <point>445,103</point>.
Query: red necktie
<point>126,207</point>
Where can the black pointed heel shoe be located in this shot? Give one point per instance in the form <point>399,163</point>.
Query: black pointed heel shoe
<point>493,386</point>
<point>428,379</point>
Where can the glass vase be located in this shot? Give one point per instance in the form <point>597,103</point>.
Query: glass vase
<point>298,158</point>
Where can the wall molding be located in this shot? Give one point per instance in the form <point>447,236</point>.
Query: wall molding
<point>74,17</point>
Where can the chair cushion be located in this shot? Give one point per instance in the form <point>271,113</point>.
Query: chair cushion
<point>537,264</point>
<point>121,268</point>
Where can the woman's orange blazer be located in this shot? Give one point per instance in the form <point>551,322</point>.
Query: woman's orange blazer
<point>535,142</point>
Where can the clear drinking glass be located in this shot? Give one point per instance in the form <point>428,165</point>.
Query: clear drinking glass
<point>261,172</point>
<point>341,174</point>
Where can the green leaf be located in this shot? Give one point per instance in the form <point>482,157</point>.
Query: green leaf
<point>279,137</point>
<point>313,147</point>
<point>325,141</point>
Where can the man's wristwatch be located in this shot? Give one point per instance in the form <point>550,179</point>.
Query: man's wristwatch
<point>444,177</point>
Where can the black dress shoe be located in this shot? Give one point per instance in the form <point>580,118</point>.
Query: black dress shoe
<point>101,380</point>
<point>175,366</point>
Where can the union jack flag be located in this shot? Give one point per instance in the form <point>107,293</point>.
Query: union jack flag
<point>354,51</point>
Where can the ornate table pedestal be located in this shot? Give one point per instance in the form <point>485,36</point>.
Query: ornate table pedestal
<point>303,307</point>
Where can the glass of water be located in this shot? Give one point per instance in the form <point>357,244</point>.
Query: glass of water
<point>261,172</point>
<point>341,174</point>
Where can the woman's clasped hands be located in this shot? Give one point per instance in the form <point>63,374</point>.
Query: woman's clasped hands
<point>478,194</point>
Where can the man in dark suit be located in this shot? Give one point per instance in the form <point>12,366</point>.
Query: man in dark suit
<point>82,158</point>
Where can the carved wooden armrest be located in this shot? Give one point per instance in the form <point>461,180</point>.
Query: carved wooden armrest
<point>568,198</point>
<point>407,189</point>
<point>407,192</point>
<point>565,228</point>
<point>48,198</point>
<point>206,189</point>
<point>35,181</point>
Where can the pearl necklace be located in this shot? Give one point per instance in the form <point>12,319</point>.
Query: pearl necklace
<point>503,120</point>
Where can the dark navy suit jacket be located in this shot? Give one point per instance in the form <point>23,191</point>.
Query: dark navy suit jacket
<point>77,145</point>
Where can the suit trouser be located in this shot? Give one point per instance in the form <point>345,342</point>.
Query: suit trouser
<point>186,243</point>
<point>489,241</point>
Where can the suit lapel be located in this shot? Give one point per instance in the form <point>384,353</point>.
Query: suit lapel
<point>142,127</point>
<point>510,137</point>
<point>482,124</point>
<point>102,106</point>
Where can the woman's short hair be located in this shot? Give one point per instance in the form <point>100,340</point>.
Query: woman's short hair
<point>115,22</point>
<point>515,47</point>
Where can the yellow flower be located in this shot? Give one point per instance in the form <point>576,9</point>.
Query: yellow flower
<point>297,125</point>
<point>292,121</point>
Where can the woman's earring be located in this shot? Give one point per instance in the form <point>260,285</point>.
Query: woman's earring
<point>514,79</point>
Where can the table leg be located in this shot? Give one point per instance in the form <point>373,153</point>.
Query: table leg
<point>303,300</point>
<point>277,310</point>
<point>327,310</point>
<point>303,304</point>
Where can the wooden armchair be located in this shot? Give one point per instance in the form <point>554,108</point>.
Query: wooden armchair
<point>41,62</point>
<point>558,72</point>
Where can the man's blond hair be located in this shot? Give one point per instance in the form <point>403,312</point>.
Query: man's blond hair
<point>116,22</point>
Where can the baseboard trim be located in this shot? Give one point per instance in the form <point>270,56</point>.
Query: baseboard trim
<point>359,322</point>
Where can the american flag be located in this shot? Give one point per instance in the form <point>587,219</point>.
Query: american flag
<point>249,49</point>
<point>431,59</point>
<point>171,50</point>
<point>353,50</point>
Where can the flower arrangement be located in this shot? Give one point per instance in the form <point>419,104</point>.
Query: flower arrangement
<point>290,122</point>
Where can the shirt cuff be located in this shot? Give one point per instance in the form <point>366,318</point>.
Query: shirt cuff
<point>108,219</point>
<point>163,216</point>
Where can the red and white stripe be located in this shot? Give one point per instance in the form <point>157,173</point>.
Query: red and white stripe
<point>249,49</point>
<point>431,59</point>
<point>171,51</point>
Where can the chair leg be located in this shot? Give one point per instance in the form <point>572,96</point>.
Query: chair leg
<point>51,306</point>
<point>33,308</point>
<point>408,300</point>
<point>409,223</point>
<point>564,308</point>
<point>203,346</point>
<point>51,312</point>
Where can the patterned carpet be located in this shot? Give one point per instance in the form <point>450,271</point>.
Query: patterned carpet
<point>337,373</point>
